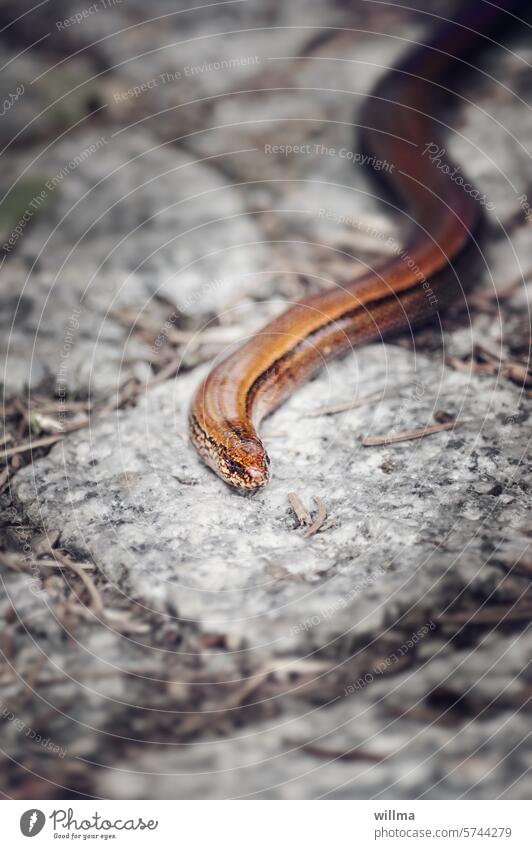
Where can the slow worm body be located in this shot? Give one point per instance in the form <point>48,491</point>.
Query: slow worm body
<point>402,291</point>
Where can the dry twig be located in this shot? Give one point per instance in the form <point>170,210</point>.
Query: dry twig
<point>29,446</point>
<point>390,438</point>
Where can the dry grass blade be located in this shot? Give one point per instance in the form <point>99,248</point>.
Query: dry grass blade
<point>354,754</point>
<point>303,516</point>
<point>486,361</point>
<point>320,518</point>
<point>390,438</point>
<point>29,446</point>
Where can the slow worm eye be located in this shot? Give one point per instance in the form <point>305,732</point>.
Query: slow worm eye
<point>234,466</point>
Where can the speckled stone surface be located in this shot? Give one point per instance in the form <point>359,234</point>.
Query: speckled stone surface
<point>133,493</point>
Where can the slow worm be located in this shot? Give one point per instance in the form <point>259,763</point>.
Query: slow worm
<point>404,290</point>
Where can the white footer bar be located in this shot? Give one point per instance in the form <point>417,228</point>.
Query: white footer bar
<point>267,824</point>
